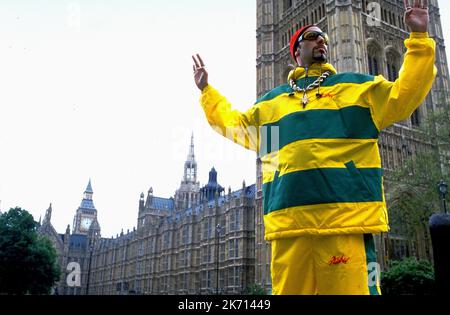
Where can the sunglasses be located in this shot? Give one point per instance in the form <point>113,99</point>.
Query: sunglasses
<point>312,35</point>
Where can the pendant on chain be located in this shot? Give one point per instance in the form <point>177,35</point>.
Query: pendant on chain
<point>304,100</point>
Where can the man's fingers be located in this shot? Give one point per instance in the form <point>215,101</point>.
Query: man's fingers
<point>201,61</point>
<point>425,4</point>
<point>406,3</point>
<point>417,4</point>
<point>195,62</point>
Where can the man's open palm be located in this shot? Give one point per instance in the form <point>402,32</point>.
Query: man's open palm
<point>416,16</point>
<point>200,74</point>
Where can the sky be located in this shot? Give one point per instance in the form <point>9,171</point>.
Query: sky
<point>103,90</point>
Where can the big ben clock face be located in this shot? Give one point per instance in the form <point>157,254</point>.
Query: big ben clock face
<point>85,223</point>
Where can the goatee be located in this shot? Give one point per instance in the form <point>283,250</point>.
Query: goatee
<point>320,58</point>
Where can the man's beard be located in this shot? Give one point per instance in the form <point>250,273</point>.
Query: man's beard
<point>320,58</point>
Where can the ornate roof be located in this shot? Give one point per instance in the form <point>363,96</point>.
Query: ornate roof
<point>249,192</point>
<point>77,241</point>
<point>87,204</point>
<point>158,203</point>
<point>89,188</point>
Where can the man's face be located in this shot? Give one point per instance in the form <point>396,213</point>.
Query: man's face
<point>312,51</point>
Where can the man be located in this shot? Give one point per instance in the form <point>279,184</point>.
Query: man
<point>322,181</point>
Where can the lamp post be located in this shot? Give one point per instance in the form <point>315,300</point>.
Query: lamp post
<point>218,230</point>
<point>443,191</point>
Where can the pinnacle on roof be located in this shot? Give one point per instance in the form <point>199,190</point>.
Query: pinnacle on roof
<point>191,156</point>
<point>89,187</point>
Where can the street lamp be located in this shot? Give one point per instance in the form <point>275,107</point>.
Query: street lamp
<point>218,230</point>
<point>442,191</point>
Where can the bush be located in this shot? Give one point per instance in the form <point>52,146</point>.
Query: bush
<point>408,277</point>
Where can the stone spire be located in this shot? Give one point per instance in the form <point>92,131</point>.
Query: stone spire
<point>190,166</point>
<point>191,155</point>
<point>48,214</point>
<point>188,193</point>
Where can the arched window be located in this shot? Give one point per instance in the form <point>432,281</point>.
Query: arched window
<point>373,65</point>
<point>392,63</point>
<point>287,4</point>
<point>415,118</point>
<point>392,71</point>
<point>373,57</point>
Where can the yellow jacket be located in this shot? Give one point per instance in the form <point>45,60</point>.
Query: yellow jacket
<point>321,166</point>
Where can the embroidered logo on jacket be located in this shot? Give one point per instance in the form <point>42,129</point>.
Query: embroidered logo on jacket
<point>336,260</point>
<point>328,95</point>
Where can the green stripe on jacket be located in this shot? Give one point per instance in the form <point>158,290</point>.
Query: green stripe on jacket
<point>353,122</point>
<point>347,77</point>
<point>322,186</point>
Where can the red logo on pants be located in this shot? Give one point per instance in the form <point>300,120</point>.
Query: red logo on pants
<point>336,260</point>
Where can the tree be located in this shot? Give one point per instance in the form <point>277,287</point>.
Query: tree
<point>414,192</point>
<point>28,262</point>
<point>414,198</point>
<point>408,277</point>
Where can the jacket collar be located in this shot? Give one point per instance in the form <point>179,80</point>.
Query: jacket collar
<point>315,70</point>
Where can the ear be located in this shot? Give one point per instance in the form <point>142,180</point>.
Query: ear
<point>297,53</point>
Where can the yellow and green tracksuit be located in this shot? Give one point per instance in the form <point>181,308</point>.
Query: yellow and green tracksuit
<point>322,173</point>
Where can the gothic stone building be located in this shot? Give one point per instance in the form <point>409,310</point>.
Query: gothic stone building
<point>358,43</point>
<point>199,242</point>
<point>74,247</point>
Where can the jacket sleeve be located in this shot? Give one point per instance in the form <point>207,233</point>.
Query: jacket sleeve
<point>241,128</point>
<point>396,101</point>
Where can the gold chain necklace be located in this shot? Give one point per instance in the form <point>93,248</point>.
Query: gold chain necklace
<point>312,86</point>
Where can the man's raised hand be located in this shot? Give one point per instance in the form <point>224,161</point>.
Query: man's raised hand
<point>416,15</point>
<point>200,74</point>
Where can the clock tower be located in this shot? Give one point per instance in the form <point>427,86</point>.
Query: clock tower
<point>86,213</point>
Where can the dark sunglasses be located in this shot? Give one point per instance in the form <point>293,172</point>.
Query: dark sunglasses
<point>312,35</point>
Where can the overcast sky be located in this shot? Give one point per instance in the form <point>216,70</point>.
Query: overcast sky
<point>103,89</point>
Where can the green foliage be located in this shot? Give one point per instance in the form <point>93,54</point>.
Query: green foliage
<point>436,128</point>
<point>414,195</point>
<point>256,289</point>
<point>27,261</point>
<point>408,277</point>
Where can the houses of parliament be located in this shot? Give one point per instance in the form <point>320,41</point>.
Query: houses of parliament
<point>205,240</point>
<point>201,241</point>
